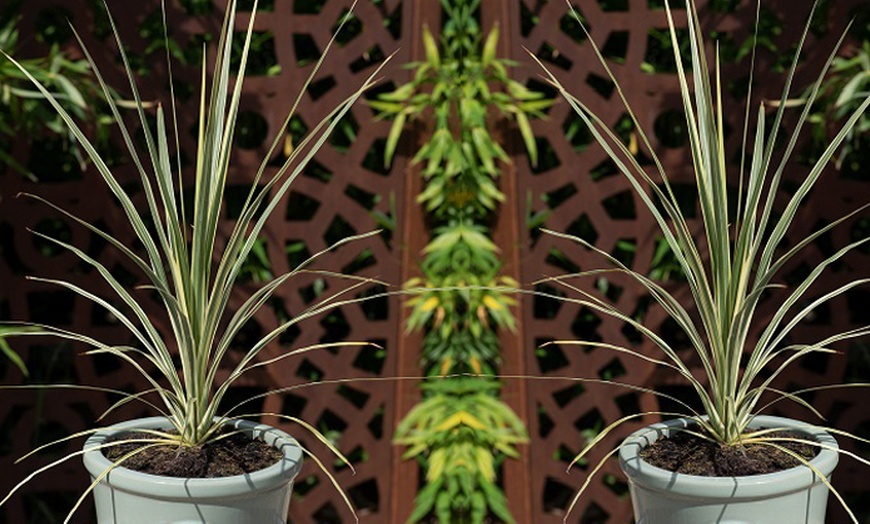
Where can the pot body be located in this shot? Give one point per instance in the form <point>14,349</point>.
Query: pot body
<point>794,496</point>
<point>124,496</point>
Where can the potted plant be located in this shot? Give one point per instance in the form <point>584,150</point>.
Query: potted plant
<point>192,272</point>
<point>729,267</point>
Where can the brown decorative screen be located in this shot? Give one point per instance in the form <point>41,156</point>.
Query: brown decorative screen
<point>347,190</point>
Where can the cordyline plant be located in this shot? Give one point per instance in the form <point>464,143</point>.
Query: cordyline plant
<point>190,269</point>
<point>743,255</point>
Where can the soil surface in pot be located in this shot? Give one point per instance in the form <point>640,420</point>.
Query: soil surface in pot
<point>692,455</point>
<point>234,454</point>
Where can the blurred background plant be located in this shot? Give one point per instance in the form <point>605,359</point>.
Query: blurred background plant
<point>457,427</point>
<point>24,110</point>
<point>461,432</point>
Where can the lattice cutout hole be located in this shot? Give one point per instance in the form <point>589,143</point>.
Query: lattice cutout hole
<point>613,5</point>
<point>590,424</point>
<point>547,307</point>
<point>50,161</point>
<point>616,485</point>
<point>365,496</point>
<point>317,171</point>
<point>355,456</point>
<point>262,59</point>
<point>52,25</point>
<point>297,253</point>
<point>545,422</point>
<point>583,228</point>
<point>376,307</point>
<point>565,396</point>
<point>594,514</point>
<point>353,27</point>
<point>558,258</point>
<point>556,496</point>
<point>327,514</point>
<point>671,129</point>
<point>336,328</point>
<point>318,88</point>
<point>607,288</point>
<point>659,56</point>
<point>613,370</point>
<point>550,54</point>
<point>308,371</point>
<point>54,228</point>
<point>376,424</point>
<point>363,260</point>
<point>345,133</point>
<point>305,49</point>
<point>46,506</point>
<point>356,397</point>
<point>620,206</point>
<point>330,422</point>
<point>605,169</point>
<point>375,55</point>
<point>290,333</point>
<point>262,5</point>
<point>559,196</point>
<point>51,307</point>
<point>585,327</point>
<point>247,336</point>
<point>615,48</point>
<point>547,157</point>
<point>301,207</point>
<point>577,132</point>
<point>624,251</point>
<point>338,229</point>
<point>628,404</point>
<point>251,130</point>
<point>371,359</point>
<point>374,157</point>
<point>304,486</point>
<point>602,86</point>
<point>573,28</point>
<point>292,405</point>
<point>239,397</point>
<point>308,7</point>
<point>549,357</point>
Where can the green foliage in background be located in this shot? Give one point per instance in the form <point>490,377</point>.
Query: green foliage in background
<point>461,431</point>
<point>840,96</point>
<point>465,432</point>
<point>23,109</point>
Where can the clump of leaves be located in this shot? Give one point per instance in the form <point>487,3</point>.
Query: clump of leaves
<point>464,432</point>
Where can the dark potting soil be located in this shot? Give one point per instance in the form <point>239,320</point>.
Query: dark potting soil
<point>235,454</point>
<point>692,455</point>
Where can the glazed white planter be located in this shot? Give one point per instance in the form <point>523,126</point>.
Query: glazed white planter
<point>125,496</point>
<point>793,496</point>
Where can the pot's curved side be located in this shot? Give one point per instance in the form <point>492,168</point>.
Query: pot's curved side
<point>124,496</point>
<point>794,496</point>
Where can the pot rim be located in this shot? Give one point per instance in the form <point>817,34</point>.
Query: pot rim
<point>751,486</point>
<point>178,488</point>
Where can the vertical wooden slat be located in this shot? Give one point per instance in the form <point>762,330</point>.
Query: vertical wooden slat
<point>413,237</point>
<point>507,235</point>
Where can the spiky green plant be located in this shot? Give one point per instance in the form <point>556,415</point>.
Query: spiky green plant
<point>735,260</point>
<point>193,273</point>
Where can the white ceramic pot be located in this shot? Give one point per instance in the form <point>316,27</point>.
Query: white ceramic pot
<point>125,496</point>
<point>793,496</point>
